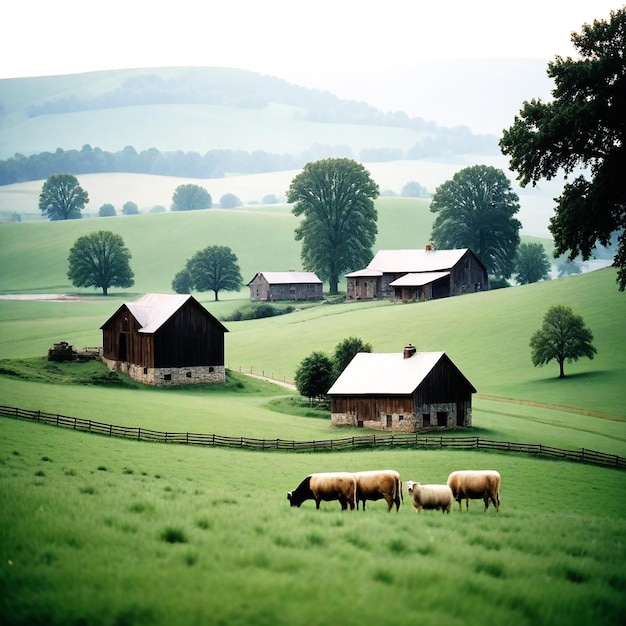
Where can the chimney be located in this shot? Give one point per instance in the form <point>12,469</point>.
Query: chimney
<point>430,247</point>
<point>409,351</point>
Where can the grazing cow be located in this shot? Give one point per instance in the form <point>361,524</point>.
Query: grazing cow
<point>430,496</point>
<point>476,485</point>
<point>325,486</point>
<point>377,484</point>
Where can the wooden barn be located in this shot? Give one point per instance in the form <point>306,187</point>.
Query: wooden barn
<point>407,391</point>
<point>418,275</point>
<point>163,340</point>
<point>290,285</point>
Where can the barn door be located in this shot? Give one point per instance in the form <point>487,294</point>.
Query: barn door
<point>122,347</point>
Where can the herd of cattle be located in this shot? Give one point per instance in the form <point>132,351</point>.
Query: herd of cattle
<point>355,488</point>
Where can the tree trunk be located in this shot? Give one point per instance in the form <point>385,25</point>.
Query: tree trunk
<point>561,370</point>
<point>104,291</point>
<point>215,292</point>
<point>333,281</point>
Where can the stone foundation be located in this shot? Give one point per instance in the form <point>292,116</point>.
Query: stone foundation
<point>170,376</point>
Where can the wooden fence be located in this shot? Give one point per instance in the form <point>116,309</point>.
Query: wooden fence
<point>397,440</point>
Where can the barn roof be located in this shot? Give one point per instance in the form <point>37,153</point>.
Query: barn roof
<point>418,279</point>
<point>371,373</point>
<point>288,278</point>
<point>395,261</point>
<point>152,310</point>
<point>366,273</point>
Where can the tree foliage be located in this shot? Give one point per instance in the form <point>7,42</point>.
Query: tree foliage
<point>215,269</point>
<point>101,260</point>
<point>314,376</point>
<point>531,264</point>
<point>413,189</point>
<point>582,126</point>
<point>230,201</point>
<point>345,352</point>
<point>62,198</point>
<point>182,282</point>
<point>562,337</point>
<point>130,208</point>
<point>336,198</point>
<point>475,209</point>
<point>190,197</point>
<point>107,210</point>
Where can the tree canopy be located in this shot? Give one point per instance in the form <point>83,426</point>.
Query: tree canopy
<point>102,260</point>
<point>475,209</point>
<point>562,337</point>
<point>62,198</point>
<point>190,197</point>
<point>531,264</point>
<point>214,269</point>
<point>107,210</point>
<point>336,198</point>
<point>314,376</point>
<point>581,127</point>
<point>345,352</point>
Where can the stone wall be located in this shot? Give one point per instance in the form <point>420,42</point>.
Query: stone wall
<point>170,376</point>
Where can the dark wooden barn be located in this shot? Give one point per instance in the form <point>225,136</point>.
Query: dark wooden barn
<point>292,285</point>
<point>165,339</point>
<point>418,275</point>
<point>407,391</point>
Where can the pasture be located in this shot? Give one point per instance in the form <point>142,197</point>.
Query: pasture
<point>101,531</point>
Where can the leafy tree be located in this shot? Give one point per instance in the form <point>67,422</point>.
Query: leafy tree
<point>191,197</point>
<point>270,198</point>
<point>230,201</point>
<point>336,197</point>
<point>62,198</point>
<point>215,269</point>
<point>531,264</point>
<point>562,337</point>
<point>182,282</point>
<point>475,210</point>
<point>345,351</point>
<point>581,127</point>
<point>158,208</point>
<point>130,208</point>
<point>314,376</point>
<point>107,210</point>
<point>413,189</point>
<point>565,267</point>
<point>100,259</point>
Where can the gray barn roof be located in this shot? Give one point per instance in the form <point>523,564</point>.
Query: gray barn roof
<point>287,278</point>
<point>372,373</point>
<point>418,279</point>
<point>396,261</point>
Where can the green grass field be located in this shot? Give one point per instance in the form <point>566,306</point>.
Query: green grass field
<point>101,531</point>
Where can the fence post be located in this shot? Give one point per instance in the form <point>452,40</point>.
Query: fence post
<point>138,434</point>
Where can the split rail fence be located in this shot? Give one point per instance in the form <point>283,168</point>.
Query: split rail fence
<point>396,440</point>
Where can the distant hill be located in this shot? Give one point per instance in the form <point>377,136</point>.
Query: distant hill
<point>204,109</point>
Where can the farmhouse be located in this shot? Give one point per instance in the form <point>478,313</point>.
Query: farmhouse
<point>165,339</point>
<point>290,285</point>
<point>418,275</point>
<point>407,391</point>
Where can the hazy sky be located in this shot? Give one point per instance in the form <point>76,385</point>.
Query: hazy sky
<point>335,45</point>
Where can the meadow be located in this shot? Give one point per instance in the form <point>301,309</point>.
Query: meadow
<point>106,531</point>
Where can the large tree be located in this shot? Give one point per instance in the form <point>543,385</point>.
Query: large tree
<point>475,209</point>
<point>345,352</point>
<point>189,197</point>
<point>531,264</point>
<point>336,197</point>
<point>101,260</point>
<point>314,376</point>
<point>581,127</point>
<point>214,269</point>
<point>62,198</point>
<point>562,337</point>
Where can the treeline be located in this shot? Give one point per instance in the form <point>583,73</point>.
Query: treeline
<point>219,163</point>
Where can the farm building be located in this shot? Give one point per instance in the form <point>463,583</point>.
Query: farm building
<point>165,339</point>
<point>418,275</point>
<point>406,391</point>
<point>290,285</point>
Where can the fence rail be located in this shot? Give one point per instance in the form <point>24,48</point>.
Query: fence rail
<point>396,440</point>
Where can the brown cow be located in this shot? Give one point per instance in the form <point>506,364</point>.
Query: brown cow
<point>476,485</point>
<point>378,484</point>
<point>325,486</point>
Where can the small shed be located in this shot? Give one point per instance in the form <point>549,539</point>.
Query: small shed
<point>291,285</point>
<point>165,339</point>
<point>407,391</point>
<point>417,275</point>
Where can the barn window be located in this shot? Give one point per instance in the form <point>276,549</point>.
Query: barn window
<point>400,417</point>
<point>188,374</point>
<point>211,369</point>
<point>145,370</point>
<point>125,324</point>
<point>442,418</point>
<point>167,377</point>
